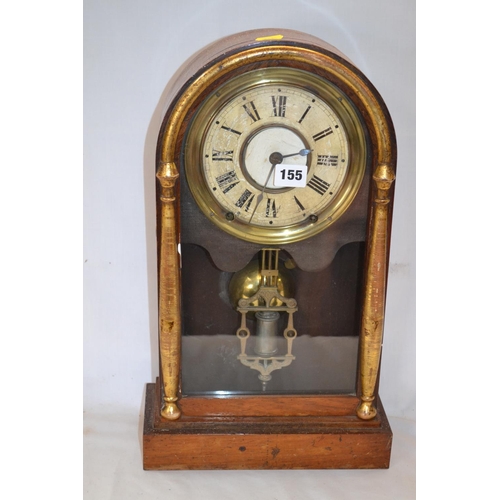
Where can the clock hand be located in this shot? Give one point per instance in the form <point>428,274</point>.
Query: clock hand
<point>275,158</point>
<point>302,152</point>
<point>260,196</point>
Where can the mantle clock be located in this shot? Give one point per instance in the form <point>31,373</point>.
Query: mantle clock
<point>275,166</point>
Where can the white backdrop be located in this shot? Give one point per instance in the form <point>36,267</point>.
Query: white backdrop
<point>131,50</point>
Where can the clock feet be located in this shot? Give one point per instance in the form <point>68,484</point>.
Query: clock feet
<point>366,410</point>
<point>170,411</point>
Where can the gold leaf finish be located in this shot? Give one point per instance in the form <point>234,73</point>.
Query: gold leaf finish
<point>169,293</point>
<point>374,303</point>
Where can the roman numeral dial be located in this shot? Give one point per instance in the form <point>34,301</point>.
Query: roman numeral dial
<point>279,105</point>
<point>328,160</point>
<point>251,111</point>
<point>322,134</point>
<point>222,155</point>
<point>267,130</point>
<point>318,185</point>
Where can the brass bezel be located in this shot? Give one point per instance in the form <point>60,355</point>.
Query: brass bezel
<point>333,97</point>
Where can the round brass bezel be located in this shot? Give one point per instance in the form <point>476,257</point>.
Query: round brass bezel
<point>333,97</point>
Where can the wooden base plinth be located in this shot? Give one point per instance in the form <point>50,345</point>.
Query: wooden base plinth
<point>298,442</point>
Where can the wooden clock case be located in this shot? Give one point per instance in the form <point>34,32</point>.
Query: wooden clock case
<point>346,280</point>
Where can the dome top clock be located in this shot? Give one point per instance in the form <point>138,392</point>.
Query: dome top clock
<point>275,161</point>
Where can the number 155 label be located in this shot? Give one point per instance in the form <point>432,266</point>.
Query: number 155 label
<point>290,175</point>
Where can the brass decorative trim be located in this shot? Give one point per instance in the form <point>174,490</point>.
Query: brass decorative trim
<point>374,303</point>
<point>336,69</point>
<point>169,293</point>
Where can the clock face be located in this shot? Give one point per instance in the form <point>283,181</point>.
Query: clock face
<point>275,155</point>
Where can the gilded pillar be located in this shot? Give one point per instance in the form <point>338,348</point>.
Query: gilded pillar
<point>372,322</point>
<point>169,293</point>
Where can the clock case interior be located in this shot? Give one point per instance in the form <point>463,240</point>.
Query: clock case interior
<point>329,281</point>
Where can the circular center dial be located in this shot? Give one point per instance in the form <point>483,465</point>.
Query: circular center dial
<point>267,148</point>
<point>248,137</point>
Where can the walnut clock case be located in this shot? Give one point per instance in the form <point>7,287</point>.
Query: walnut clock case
<point>275,165</point>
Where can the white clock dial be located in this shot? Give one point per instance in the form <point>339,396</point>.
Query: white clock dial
<point>274,155</point>
<point>280,120</point>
